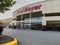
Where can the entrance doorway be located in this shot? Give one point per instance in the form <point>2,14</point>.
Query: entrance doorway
<point>36,26</point>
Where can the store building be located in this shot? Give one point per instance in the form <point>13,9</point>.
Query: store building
<point>6,22</point>
<point>38,15</point>
<point>51,14</point>
<point>29,17</point>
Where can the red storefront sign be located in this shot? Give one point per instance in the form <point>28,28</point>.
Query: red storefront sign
<point>26,9</point>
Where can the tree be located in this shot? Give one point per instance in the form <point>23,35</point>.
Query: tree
<point>5,5</point>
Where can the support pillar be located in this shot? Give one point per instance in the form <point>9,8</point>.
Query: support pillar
<point>30,20</point>
<point>21,21</point>
<point>44,23</point>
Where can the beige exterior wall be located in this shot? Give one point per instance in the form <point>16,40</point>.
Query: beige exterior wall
<point>53,18</point>
<point>51,6</point>
<point>14,14</point>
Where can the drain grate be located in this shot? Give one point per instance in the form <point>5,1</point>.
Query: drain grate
<point>5,39</point>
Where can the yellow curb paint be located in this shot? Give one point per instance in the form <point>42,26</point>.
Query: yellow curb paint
<point>14,42</point>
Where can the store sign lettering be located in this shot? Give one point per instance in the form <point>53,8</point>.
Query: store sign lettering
<point>29,9</point>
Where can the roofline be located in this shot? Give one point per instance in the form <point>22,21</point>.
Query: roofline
<point>29,5</point>
<point>32,4</point>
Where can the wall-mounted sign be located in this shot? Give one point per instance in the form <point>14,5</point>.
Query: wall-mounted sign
<point>26,9</point>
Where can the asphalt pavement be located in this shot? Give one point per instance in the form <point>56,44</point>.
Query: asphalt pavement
<point>30,37</point>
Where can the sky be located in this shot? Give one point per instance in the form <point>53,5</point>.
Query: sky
<point>19,3</point>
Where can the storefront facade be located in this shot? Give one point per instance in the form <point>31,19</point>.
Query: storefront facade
<point>51,14</point>
<point>29,17</point>
<point>38,15</point>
